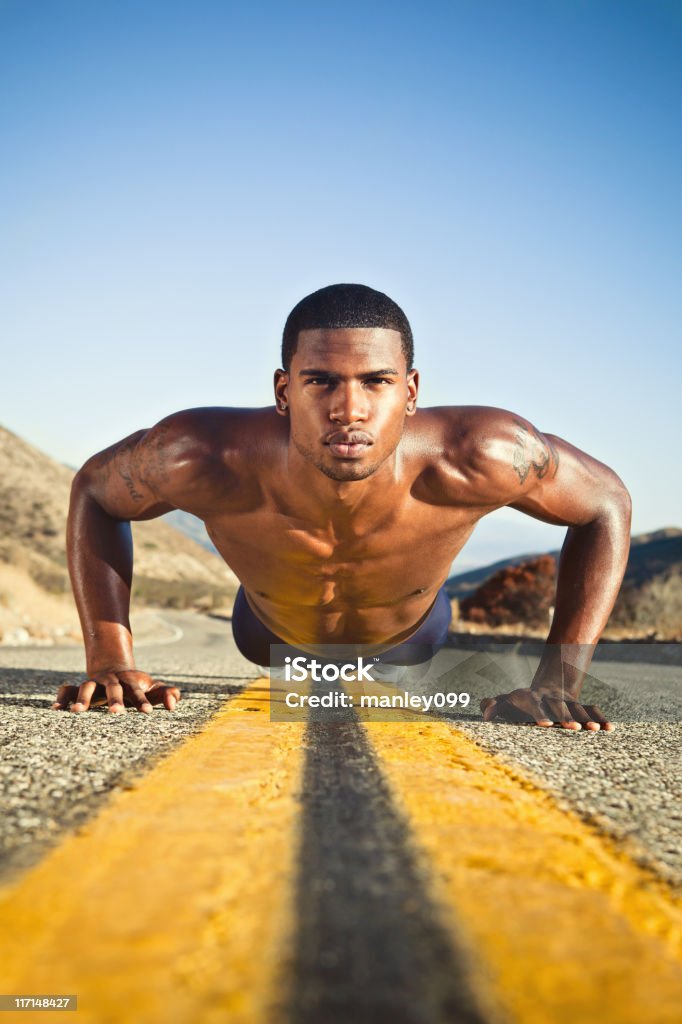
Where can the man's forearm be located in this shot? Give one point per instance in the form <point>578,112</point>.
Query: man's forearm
<point>591,568</point>
<point>100,557</point>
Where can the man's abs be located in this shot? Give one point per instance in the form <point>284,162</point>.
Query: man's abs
<point>307,591</point>
<point>390,624</point>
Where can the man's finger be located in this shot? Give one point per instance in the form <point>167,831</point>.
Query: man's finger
<point>65,694</point>
<point>115,697</point>
<point>171,697</point>
<point>85,692</point>
<point>491,705</point>
<point>140,699</point>
<point>525,706</point>
<point>559,713</point>
<point>580,714</point>
<point>532,705</point>
<point>504,707</point>
<point>488,706</point>
<point>598,716</point>
<point>161,693</point>
<point>509,711</point>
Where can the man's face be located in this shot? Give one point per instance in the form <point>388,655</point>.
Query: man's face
<point>347,394</point>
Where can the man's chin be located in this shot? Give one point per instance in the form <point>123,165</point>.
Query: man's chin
<point>341,470</point>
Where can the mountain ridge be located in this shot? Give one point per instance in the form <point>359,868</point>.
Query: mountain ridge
<point>171,569</point>
<point>667,541</point>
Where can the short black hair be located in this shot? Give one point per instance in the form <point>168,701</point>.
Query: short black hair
<point>345,305</point>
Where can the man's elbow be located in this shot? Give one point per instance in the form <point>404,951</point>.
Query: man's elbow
<point>85,499</point>
<point>81,483</point>
<point>84,484</point>
<point>626,499</point>
<point>616,506</point>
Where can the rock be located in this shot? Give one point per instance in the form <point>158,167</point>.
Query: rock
<point>17,637</point>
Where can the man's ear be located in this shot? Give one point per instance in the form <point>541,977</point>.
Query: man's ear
<point>281,392</point>
<point>412,389</point>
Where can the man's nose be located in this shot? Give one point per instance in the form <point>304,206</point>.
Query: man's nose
<point>349,403</point>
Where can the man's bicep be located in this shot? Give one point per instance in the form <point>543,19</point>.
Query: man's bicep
<point>574,491</point>
<point>130,479</point>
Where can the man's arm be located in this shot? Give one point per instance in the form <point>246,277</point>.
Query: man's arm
<point>135,479</point>
<point>551,480</point>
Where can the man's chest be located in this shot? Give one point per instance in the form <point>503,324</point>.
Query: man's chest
<point>409,545</point>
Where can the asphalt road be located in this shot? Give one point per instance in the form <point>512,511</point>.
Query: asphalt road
<point>58,768</point>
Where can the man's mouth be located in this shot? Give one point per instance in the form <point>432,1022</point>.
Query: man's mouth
<point>348,446</point>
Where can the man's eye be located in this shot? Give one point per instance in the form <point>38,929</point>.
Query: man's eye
<point>377,380</point>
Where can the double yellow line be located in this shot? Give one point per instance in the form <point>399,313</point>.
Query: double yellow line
<point>177,903</point>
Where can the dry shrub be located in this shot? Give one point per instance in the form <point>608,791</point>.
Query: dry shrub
<point>654,607</point>
<point>519,594</point>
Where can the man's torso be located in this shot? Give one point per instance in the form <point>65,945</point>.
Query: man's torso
<point>345,573</point>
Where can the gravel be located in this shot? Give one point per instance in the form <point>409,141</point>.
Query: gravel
<point>58,768</point>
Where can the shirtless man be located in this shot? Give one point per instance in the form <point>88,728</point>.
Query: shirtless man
<point>341,510</point>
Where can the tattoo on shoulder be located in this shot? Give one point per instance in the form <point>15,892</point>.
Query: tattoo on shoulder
<point>532,453</point>
<point>555,455</point>
<point>134,463</point>
<point>152,461</point>
<point>125,468</point>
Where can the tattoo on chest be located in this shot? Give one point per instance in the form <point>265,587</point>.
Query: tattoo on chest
<point>532,453</point>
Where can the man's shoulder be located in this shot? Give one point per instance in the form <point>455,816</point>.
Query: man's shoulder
<point>210,445</point>
<point>214,432</point>
<point>482,452</point>
<point>469,431</point>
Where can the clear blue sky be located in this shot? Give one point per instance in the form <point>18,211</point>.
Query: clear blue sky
<point>175,176</point>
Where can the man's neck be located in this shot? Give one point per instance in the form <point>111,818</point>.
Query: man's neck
<point>330,498</point>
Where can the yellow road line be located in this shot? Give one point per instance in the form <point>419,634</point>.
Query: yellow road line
<point>176,902</point>
<point>562,926</point>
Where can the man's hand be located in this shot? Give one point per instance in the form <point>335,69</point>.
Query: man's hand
<point>118,689</point>
<point>544,706</point>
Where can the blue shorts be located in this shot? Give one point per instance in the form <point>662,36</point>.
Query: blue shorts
<point>253,638</point>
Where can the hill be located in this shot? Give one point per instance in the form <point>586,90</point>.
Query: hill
<point>650,601</point>
<point>171,569</point>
